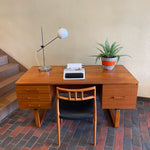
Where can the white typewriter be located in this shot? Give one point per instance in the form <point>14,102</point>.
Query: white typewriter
<point>74,71</point>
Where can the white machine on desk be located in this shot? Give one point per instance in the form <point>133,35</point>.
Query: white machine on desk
<point>74,71</point>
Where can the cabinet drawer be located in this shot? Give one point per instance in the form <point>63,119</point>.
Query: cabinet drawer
<point>35,105</point>
<point>32,89</point>
<point>119,96</point>
<point>34,97</point>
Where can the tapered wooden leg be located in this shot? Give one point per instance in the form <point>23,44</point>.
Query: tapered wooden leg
<point>58,129</point>
<point>116,117</point>
<point>58,120</point>
<point>95,119</point>
<point>94,130</point>
<point>38,119</point>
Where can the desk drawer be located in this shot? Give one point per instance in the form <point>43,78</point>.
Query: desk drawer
<point>119,96</point>
<point>32,89</point>
<point>34,97</point>
<point>35,105</point>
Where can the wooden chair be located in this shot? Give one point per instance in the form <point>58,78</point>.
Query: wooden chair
<point>76,104</point>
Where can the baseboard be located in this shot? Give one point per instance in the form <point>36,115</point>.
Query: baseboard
<point>146,99</point>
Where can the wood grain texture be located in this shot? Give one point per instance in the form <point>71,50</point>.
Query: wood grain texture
<point>94,74</point>
<point>32,89</point>
<point>115,117</point>
<point>119,96</point>
<point>39,117</point>
<point>34,105</point>
<point>117,88</point>
<point>35,97</point>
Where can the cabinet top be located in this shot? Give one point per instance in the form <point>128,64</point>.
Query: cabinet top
<point>94,74</point>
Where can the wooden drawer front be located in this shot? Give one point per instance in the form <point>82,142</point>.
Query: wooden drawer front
<point>32,89</point>
<point>35,105</point>
<point>119,96</point>
<point>34,97</point>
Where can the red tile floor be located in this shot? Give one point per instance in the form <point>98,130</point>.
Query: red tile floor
<point>18,131</point>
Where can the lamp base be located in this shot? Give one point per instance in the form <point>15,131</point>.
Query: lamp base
<point>44,68</point>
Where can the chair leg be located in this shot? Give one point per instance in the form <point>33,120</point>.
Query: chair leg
<point>61,121</point>
<point>94,130</point>
<point>58,129</point>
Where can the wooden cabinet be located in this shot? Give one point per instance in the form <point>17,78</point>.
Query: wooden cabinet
<point>35,97</point>
<point>119,96</point>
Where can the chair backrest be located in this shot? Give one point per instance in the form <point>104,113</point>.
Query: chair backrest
<point>76,94</point>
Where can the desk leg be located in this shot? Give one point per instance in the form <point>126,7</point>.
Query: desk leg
<point>38,119</point>
<point>116,117</point>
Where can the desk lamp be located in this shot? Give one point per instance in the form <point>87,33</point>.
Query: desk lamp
<point>61,34</point>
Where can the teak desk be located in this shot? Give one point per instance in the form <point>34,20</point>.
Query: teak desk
<point>117,89</point>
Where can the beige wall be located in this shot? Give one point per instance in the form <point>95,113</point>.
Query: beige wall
<point>88,22</point>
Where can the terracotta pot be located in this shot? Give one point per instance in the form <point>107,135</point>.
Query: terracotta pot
<point>108,63</point>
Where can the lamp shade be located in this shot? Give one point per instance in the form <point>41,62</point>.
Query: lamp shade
<point>62,33</point>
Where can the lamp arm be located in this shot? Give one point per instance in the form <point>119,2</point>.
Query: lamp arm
<point>47,44</point>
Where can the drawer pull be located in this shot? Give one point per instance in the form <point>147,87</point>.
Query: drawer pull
<point>37,106</point>
<point>118,97</point>
<point>32,91</point>
<point>33,98</point>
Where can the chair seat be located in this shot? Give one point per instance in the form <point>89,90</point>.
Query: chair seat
<point>76,109</point>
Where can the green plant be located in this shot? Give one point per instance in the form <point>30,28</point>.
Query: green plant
<point>109,51</point>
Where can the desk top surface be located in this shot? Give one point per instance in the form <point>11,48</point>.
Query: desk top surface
<point>94,74</point>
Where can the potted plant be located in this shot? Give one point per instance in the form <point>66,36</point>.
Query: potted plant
<point>109,54</point>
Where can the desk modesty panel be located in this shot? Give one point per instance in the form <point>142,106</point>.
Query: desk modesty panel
<point>36,90</point>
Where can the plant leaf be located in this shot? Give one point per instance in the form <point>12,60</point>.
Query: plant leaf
<point>123,55</point>
<point>109,51</point>
<point>118,59</point>
<point>100,50</point>
<point>107,46</point>
<point>98,57</point>
<point>105,50</point>
<point>117,50</point>
<point>113,47</point>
